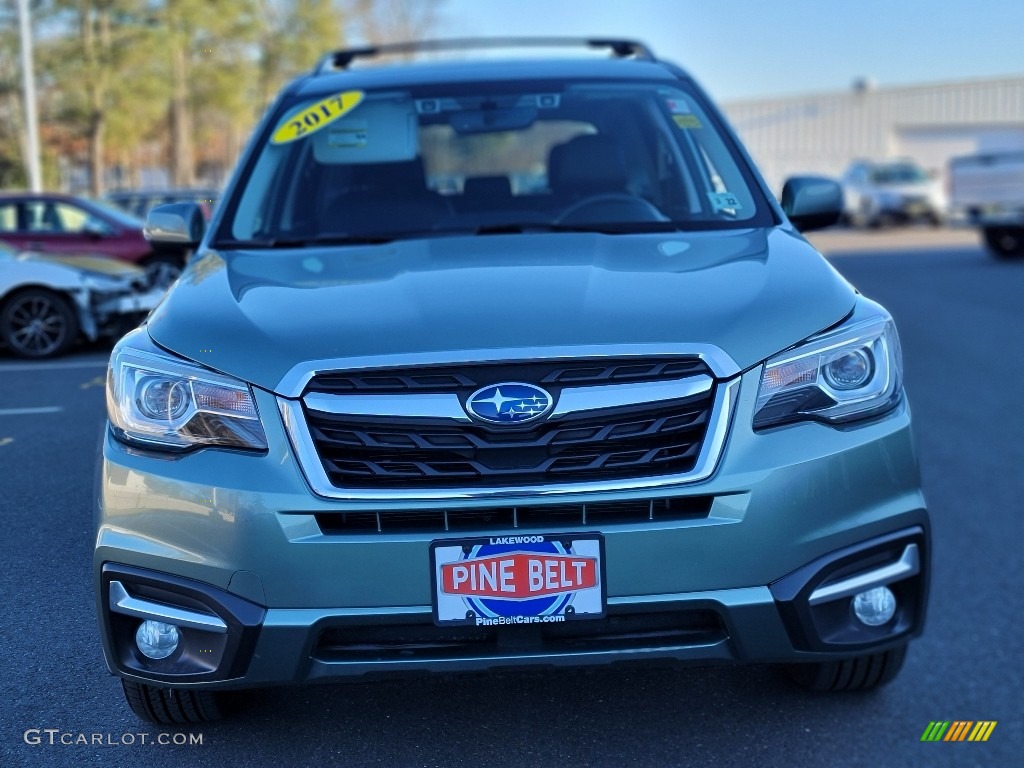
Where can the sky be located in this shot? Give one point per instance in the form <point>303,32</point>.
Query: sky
<point>741,49</point>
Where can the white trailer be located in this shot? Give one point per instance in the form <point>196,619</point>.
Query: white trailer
<point>988,190</point>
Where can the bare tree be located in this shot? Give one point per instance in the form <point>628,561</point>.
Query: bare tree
<point>383,21</point>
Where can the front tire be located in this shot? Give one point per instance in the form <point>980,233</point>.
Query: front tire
<point>38,323</point>
<point>858,673</point>
<point>170,706</point>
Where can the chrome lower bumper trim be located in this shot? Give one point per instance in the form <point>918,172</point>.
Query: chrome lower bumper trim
<point>122,602</point>
<point>908,565</point>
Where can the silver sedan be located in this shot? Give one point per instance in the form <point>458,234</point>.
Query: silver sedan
<point>48,302</point>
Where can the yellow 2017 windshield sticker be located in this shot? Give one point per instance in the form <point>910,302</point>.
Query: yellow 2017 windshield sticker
<point>316,116</point>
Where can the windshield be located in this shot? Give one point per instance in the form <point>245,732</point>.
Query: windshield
<point>898,174</point>
<point>478,158</point>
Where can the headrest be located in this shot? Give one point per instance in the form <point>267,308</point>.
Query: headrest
<point>491,187</point>
<point>589,164</point>
<point>391,178</point>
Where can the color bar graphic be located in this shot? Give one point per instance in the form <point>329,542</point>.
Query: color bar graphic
<point>935,730</point>
<point>982,730</point>
<point>958,730</point>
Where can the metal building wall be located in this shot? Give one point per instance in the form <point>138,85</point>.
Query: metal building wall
<point>821,133</point>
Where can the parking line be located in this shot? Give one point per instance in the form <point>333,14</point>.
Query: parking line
<point>52,366</point>
<point>29,411</point>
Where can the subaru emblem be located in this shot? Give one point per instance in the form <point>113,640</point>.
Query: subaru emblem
<point>509,403</point>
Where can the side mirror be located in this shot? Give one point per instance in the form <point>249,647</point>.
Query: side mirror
<point>812,202</point>
<point>177,224</point>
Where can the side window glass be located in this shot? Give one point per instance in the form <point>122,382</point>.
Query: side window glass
<point>72,219</point>
<point>9,217</point>
<point>41,216</point>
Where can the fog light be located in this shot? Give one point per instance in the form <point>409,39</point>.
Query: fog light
<point>875,606</point>
<point>156,639</point>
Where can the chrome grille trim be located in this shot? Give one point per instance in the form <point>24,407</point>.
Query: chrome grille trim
<point>420,406</point>
<point>448,406</point>
<point>576,399</point>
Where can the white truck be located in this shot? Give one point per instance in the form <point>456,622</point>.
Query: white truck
<point>988,190</point>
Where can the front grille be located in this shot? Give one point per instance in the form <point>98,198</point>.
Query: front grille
<point>426,642</point>
<point>391,452</point>
<point>641,441</point>
<point>466,378</point>
<point>534,516</point>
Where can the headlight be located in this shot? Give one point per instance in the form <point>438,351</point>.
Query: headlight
<point>160,401</point>
<point>850,372</point>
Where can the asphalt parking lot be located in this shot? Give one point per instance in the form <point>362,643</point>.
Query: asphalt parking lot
<point>961,324</point>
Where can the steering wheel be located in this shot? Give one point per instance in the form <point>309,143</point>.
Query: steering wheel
<point>638,208</point>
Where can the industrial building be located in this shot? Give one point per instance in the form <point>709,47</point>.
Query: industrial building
<point>931,123</point>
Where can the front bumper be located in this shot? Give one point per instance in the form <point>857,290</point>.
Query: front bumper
<point>910,209</point>
<point>792,510</point>
<point>114,313</point>
<point>249,646</point>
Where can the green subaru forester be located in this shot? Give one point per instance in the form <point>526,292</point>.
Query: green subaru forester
<point>499,363</point>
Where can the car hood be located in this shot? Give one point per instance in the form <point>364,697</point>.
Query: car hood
<point>99,264</point>
<point>267,315</point>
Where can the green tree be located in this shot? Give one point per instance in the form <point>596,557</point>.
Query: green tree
<point>293,37</point>
<point>208,56</point>
<point>192,76</point>
<point>93,67</point>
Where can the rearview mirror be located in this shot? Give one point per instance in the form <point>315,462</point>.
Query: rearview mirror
<point>812,202</point>
<point>493,120</point>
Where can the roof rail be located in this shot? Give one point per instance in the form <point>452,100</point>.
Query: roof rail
<point>619,48</point>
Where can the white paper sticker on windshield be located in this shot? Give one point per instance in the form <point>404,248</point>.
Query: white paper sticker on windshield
<point>724,201</point>
<point>682,115</point>
<point>348,133</point>
<point>678,106</point>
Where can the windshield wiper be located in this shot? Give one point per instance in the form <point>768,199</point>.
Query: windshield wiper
<point>511,228</point>
<point>305,242</point>
<point>599,227</point>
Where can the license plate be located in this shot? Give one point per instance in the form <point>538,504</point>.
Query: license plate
<point>518,580</point>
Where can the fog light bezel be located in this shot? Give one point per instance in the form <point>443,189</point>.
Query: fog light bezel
<point>217,634</point>
<point>826,623</point>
